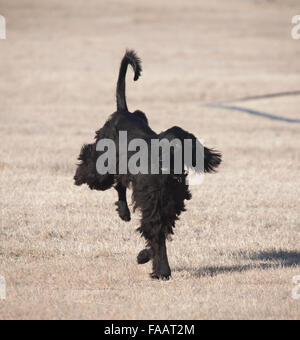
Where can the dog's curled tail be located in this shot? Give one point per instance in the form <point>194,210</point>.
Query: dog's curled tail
<point>132,59</point>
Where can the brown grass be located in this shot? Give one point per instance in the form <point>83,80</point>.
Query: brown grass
<point>64,252</point>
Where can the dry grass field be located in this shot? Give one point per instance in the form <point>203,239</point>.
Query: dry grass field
<point>64,252</point>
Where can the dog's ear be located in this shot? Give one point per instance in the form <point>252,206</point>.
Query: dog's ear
<point>86,153</point>
<point>86,172</point>
<point>210,159</point>
<point>84,167</point>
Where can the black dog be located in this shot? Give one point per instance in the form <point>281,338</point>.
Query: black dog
<point>160,197</point>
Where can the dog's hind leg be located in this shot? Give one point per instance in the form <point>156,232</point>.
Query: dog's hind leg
<point>156,250</point>
<point>161,268</point>
<point>122,206</point>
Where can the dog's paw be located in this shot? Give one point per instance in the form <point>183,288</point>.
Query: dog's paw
<point>161,273</point>
<point>144,256</point>
<point>160,276</point>
<point>123,211</point>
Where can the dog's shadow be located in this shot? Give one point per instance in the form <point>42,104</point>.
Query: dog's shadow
<point>263,260</point>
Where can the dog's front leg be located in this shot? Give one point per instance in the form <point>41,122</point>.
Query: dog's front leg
<point>122,206</point>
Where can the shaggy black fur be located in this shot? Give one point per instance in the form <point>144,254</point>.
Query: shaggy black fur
<point>160,198</point>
